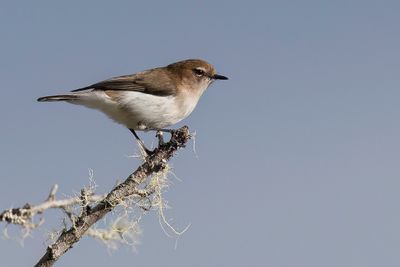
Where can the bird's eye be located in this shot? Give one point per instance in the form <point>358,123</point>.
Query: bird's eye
<point>199,72</point>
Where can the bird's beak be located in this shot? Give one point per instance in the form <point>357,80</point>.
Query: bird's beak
<point>219,77</point>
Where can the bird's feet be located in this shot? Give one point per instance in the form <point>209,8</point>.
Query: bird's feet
<point>159,135</point>
<point>144,150</point>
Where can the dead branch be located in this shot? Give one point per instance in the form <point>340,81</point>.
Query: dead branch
<point>154,164</point>
<point>25,216</point>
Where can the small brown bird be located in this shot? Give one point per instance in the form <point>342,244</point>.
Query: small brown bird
<point>148,100</point>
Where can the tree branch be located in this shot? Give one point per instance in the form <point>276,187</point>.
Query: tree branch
<point>25,216</point>
<point>157,162</point>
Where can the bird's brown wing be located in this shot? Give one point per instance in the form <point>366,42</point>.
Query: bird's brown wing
<point>155,82</point>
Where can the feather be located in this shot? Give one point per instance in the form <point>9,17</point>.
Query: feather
<point>154,82</point>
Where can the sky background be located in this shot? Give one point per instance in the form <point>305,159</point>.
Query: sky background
<point>297,156</point>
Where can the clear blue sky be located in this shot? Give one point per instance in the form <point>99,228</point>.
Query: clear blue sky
<point>298,153</point>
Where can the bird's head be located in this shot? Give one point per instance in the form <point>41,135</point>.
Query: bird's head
<point>194,73</point>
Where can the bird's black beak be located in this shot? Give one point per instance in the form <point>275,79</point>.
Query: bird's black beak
<point>219,77</point>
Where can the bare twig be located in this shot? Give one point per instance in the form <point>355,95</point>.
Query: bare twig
<point>25,216</point>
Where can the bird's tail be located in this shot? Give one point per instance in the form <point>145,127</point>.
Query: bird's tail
<point>52,98</point>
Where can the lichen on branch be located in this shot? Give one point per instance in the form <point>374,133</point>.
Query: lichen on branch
<point>137,188</point>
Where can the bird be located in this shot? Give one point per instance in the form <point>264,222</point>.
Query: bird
<point>148,100</point>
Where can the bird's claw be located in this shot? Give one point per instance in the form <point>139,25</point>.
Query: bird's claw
<point>160,137</point>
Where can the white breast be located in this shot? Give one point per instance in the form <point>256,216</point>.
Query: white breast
<point>135,109</point>
<point>152,111</point>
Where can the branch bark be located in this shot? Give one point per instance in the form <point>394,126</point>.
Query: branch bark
<point>25,216</point>
<point>153,164</point>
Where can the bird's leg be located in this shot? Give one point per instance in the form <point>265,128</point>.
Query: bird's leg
<point>170,131</point>
<point>159,135</point>
<point>140,142</point>
<point>166,130</point>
